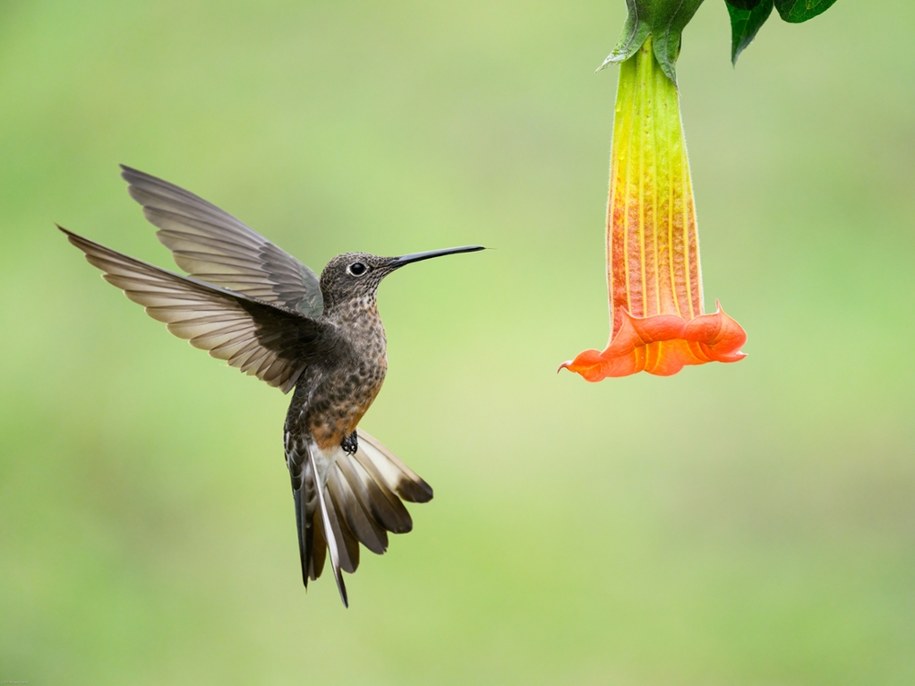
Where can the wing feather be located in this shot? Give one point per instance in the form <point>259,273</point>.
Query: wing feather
<point>214,246</point>
<point>258,338</point>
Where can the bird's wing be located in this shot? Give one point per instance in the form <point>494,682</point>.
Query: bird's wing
<point>215,247</point>
<point>261,339</point>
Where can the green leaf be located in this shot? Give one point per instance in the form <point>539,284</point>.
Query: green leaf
<point>797,11</point>
<point>747,17</point>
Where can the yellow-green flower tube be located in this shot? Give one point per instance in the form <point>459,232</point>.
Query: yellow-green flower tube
<point>653,272</point>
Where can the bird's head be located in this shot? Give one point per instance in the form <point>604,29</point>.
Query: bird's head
<point>356,275</point>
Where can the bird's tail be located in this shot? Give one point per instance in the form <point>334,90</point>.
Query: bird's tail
<point>360,502</point>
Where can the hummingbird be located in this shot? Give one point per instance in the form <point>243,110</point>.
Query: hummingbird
<point>250,303</point>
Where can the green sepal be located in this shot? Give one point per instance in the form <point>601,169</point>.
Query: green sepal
<point>635,31</point>
<point>747,17</point>
<point>662,19</point>
<point>797,11</point>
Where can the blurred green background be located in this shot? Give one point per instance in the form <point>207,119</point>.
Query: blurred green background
<point>742,524</point>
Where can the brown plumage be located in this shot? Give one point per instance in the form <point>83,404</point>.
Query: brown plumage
<point>250,303</point>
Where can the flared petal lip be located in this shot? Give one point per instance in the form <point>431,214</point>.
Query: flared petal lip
<point>663,345</point>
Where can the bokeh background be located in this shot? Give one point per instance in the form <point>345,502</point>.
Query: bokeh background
<point>742,524</point>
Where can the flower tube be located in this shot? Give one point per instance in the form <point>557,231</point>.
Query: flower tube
<point>653,272</point>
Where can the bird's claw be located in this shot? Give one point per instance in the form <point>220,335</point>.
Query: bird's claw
<point>350,444</point>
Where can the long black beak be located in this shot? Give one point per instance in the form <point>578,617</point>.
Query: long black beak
<point>397,262</point>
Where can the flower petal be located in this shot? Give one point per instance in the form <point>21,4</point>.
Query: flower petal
<point>662,345</point>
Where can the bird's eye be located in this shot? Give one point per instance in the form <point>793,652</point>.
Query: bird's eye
<point>357,269</point>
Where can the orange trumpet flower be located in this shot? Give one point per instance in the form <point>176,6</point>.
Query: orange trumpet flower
<point>653,272</point>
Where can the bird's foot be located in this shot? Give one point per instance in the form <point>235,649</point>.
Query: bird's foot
<point>350,444</point>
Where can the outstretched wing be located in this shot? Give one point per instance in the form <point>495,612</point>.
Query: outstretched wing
<point>261,339</point>
<point>217,248</point>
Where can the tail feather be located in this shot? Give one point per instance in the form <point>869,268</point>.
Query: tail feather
<point>395,474</point>
<point>319,553</point>
<point>382,504</point>
<point>343,500</point>
<point>359,521</point>
<point>332,533</point>
<point>311,552</point>
<point>347,543</point>
<point>305,534</point>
